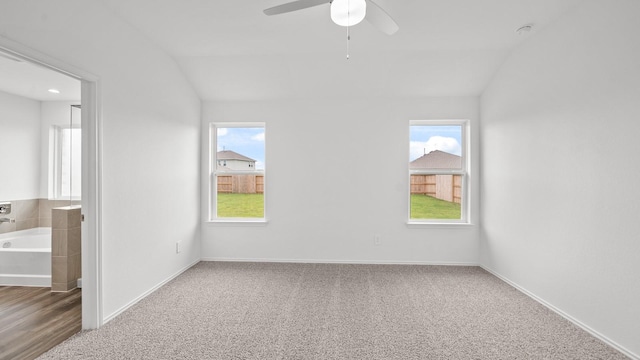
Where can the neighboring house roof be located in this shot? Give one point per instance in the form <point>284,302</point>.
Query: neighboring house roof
<point>232,155</point>
<point>437,159</point>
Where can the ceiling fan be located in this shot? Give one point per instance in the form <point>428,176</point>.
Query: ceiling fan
<point>345,12</point>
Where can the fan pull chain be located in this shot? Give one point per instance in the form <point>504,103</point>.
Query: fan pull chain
<point>348,39</point>
<point>348,34</point>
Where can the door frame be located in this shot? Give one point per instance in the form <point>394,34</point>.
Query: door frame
<point>92,313</point>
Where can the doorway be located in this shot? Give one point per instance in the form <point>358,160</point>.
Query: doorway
<point>84,105</point>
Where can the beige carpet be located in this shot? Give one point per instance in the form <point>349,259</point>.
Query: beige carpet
<point>333,311</point>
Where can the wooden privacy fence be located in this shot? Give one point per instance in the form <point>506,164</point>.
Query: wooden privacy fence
<point>443,187</point>
<point>241,184</point>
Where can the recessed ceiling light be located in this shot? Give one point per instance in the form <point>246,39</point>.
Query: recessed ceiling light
<point>524,29</point>
<point>54,91</point>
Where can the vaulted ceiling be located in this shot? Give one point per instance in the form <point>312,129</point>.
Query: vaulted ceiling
<point>229,50</point>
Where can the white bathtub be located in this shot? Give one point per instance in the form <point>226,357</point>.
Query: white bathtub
<point>25,258</point>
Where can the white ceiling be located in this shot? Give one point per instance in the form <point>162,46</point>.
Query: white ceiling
<point>224,28</point>
<point>230,50</point>
<point>32,81</point>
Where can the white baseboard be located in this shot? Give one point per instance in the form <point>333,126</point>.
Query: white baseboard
<point>333,261</point>
<point>146,293</point>
<point>575,321</point>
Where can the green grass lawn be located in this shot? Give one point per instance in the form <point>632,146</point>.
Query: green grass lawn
<point>241,205</point>
<point>427,207</point>
<point>252,206</point>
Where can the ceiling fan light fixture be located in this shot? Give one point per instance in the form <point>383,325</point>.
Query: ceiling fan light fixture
<point>348,12</point>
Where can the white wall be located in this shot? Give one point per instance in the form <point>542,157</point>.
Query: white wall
<point>560,174</point>
<point>19,147</point>
<point>26,161</point>
<point>150,139</point>
<point>336,174</point>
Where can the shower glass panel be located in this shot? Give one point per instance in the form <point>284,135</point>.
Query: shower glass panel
<point>74,157</point>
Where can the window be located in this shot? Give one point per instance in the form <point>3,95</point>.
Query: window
<point>237,172</point>
<point>65,162</point>
<point>438,171</point>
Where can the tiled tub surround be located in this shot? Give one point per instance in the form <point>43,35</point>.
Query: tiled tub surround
<point>65,248</point>
<point>31,213</point>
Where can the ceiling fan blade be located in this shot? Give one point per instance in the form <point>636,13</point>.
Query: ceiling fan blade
<point>380,19</point>
<point>293,6</point>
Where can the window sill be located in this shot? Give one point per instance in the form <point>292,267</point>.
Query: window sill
<point>435,225</point>
<point>238,222</point>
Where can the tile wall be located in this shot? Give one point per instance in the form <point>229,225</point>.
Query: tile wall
<point>31,213</point>
<point>65,248</point>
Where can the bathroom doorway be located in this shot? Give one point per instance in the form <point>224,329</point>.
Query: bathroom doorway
<point>41,120</point>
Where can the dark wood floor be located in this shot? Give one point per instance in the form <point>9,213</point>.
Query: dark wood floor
<point>33,320</point>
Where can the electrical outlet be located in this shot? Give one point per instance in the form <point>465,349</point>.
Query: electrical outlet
<point>377,240</point>
<point>178,247</point>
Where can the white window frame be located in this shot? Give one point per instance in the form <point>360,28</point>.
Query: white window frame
<point>213,172</point>
<point>55,163</point>
<point>465,218</point>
